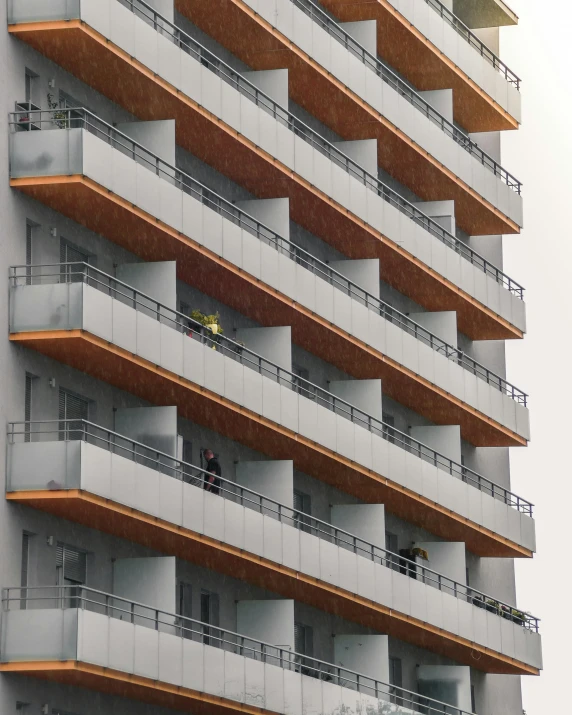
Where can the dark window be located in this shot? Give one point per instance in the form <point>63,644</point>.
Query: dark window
<point>391,544</point>
<point>29,78</point>
<point>210,616</point>
<point>303,506</point>
<point>304,639</point>
<point>388,427</point>
<point>75,257</point>
<point>25,568</point>
<point>71,565</point>
<point>185,608</point>
<point>28,407</point>
<point>72,408</point>
<point>301,376</point>
<point>29,236</point>
<point>473,701</point>
<point>395,680</point>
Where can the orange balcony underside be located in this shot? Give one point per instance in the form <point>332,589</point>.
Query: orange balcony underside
<point>120,368</point>
<point>135,687</point>
<point>93,206</point>
<point>108,516</point>
<point>424,65</point>
<point>99,63</point>
<point>251,38</point>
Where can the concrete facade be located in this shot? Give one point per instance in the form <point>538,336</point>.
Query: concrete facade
<point>74,432</point>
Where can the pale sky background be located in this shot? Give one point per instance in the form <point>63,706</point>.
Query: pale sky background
<point>539,51</point>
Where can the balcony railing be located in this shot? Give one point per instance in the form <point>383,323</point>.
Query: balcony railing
<point>406,91</point>
<point>82,272</point>
<point>111,606</point>
<point>247,89</point>
<point>76,118</point>
<point>70,430</point>
<point>463,31</point>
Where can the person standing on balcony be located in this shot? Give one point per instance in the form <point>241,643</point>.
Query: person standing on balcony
<point>212,479</point>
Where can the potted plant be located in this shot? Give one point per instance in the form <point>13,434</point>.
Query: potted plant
<point>421,553</point>
<point>212,322</point>
<point>518,617</point>
<point>493,606</point>
<point>59,116</point>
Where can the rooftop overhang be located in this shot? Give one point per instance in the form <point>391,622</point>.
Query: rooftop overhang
<point>105,213</point>
<point>127,371</point>
<point>485,13</point>
<point>417,58</point>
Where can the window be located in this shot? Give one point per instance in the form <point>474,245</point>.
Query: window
<point>303,505</point>
<point>210,616</point>
<point>29,255</point>
<point>304,639</point>
<point>395,679</point>
<point>391,544</point>
<point>301,376</point>
<point>28,390</point>
<point>25,568</point>
<point>473,700</point>
<point>72,409</point>
<point>75,258</point>
<point>22,708</point>
<point>388,427</point>
<point>71,565</point>
<point>185,607</point>
<point>29,83</point>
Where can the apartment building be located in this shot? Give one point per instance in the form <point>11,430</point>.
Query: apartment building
<point>257,413</point>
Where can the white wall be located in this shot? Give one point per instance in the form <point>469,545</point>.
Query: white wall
<point>365,32</point>
<point>441,323</point>
<point>274,213</point>
<point>362,151</point>
<point>447,558</point>
<point>275,344</point>
<point>268,621</point>
<point>150,581</point>
<point>274,83</point>
<point>152,426</point>
<point>367,655</point>
<point>441,100</point>
<point>274,479</point>
<point>165,7</point>
<point>363,394</point>
<point>451,683</point>
<point>158,137</point>
<point>363,272</point>
<point>445,439</point>
<point>443,212</point>
<point>158,280</point>
<point>364,520</point>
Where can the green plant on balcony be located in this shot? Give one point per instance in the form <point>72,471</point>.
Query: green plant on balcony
<point>211,321</point>
<point>59,115</point>
<point>493,606</point>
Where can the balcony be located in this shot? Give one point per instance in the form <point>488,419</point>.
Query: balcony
<point>417,145</point>
<point>434,49</point>
<point>112,483</point>
<point>357,332</point>
<point>253,137</point>
<point>81,636</point>
<point>101,326</point>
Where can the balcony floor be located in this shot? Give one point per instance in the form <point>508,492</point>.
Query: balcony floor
<point>86,54</point>
<point>157,385</point>
<point>93,206</point>
<point>262,47</point>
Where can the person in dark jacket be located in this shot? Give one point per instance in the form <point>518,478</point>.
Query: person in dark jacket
<point>212,479</point>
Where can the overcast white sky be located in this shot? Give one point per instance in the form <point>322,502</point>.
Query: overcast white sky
<point>539,50</point>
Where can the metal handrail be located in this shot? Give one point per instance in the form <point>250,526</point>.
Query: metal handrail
<point>374,63</point>
<point>475,42</point>
<point>72,118</point>
<point>86,431</point>
<point>282,115</point>
<point>69,273</point>
<point>247,89</point>
<point>111,606</point>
